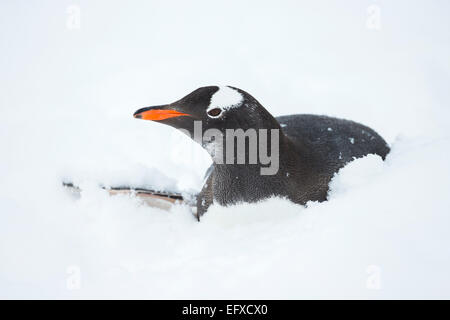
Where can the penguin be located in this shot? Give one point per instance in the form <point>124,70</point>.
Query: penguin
<point>302,152</point>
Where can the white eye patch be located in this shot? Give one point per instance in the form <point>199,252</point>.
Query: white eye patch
<point>225,98</point>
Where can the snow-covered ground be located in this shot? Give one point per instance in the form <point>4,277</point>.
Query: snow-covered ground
<point>66,105</point>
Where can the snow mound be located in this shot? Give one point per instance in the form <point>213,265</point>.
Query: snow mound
<point>357,173</point>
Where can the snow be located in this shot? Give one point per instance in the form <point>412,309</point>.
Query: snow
<point>67,101</point>
<point>226,98</point>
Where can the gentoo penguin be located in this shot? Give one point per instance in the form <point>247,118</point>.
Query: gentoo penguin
<point>305,150</point>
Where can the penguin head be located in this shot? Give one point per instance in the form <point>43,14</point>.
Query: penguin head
<point>215,107</point>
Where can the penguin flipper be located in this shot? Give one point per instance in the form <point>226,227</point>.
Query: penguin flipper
<point>153,198</point>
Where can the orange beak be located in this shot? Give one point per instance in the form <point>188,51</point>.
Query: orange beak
<point>155,114</point>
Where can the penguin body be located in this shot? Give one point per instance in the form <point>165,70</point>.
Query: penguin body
<point>310,148</point>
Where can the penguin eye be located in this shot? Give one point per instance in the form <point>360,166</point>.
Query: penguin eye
<point>214,112</point>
